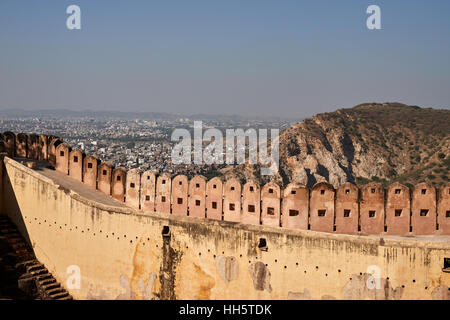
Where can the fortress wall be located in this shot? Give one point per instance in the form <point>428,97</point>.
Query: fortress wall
<point>44,141</point>
<point>347,209</point>
<point>197,197</point>
<point>295,207</point>
<point>270,205</point>
<point>322,207</point>
<point>398,209</point>
<point>343,211</point>
<point>251,203</point>
<point>122,254</point>
<point>179,195</point>
<point>90,170</point>
<point>62,158</point>
<point>444,209</point>
<point>119,180</point>
<point>21,145</point>
<point>214,199</point>
<point>76,164</point>
<point>163,188</point>
<point>9,139</point>
<point>132,197</point>
<point>148,190</point>
<point>104,177</point>
<point>52,151</point>
<point>232,200</point>
<point>372,209</point>
<point>424,219</point>
<point>33,146</point>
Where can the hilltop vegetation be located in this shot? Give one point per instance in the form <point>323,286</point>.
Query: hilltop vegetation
<point>370,142</point>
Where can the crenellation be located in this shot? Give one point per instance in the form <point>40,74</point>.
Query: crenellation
<point>104,177</point>
<point>322,207</point>
<point>21,145</point>
<point>133,185</point>
<point>76,164</point>
<point>214,198</point>
<point>270,204</point>
<point>347,210</point>
<point>62,155</point>
<point>444,209</point>
<point>423,219</point>
<point>148,191</point>
<point>232,200</point>
<point>90,170</point>
<point>197,197</point>
<point>118,184</point>
<point>163,189</point>
<point>251,203</point>
<point>295,207</point>
<point>398,209</point>
<point>179,195</point>
<point>372,208</point>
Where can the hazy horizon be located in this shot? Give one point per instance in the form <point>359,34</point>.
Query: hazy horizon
<point>265,58</point>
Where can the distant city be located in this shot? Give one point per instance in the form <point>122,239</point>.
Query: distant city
<point>129,140</point>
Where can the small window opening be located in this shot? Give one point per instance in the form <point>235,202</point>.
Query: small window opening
<point>347,213</point>
<point>118,178</point>
<point>397,191</point>
<point>321,213</point>
<point>347,191</point>
<point>147,198</point>
<point>148,177</point>
<point>446,265</point>
<point>61,153</point>
<point>75,159</point>
<point>424,191</point>
<point>322,192</point>
<point>214,205</point>
<point>231,206</point>
<point>423,212</point>
<point>251,188</point>
<point>373,190</point>
<point>214,186</point>
<point>197,203</point>
<point>89,165</point>
<point>104,172</point>
<point>163,199</point>
<point>372,214</point>
<point>398,212</point>
<point>293,213</point>
<point>163,182</point>
<point>232,188</point>
<point>197,185</point>
<point>180,200</point>
<point>293,192</point>
<point>166,231</point>
<point>270,211</point>
<point>262,245</point>
<point>447,214</point>
<point>270,190</point>
<point>251,208</point>
<point>132,185</point>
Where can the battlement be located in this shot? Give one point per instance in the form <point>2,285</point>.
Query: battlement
<point>370,210</point>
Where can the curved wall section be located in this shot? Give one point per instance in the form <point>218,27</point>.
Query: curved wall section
<point>122,254</point>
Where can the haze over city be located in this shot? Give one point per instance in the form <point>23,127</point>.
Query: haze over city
<point>292,59</point>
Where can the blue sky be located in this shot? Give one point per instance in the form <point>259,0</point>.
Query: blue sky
<point>282,58</point>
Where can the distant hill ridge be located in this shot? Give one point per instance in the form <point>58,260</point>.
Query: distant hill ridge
<point>384,142</point>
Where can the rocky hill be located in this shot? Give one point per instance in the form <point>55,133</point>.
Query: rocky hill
<point>370,142</point>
